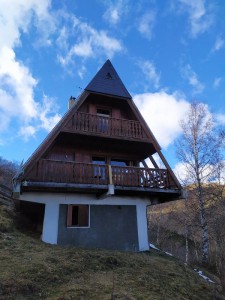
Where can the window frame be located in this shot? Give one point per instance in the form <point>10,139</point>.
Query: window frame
<point>103,123</point>
<point>70,213</point>
<point>104,108</point>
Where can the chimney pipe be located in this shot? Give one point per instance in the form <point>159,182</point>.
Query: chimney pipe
<point>71,102</point>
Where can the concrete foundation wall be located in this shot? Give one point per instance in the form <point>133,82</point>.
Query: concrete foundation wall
<point>111,227</point>
<point>53,201</point>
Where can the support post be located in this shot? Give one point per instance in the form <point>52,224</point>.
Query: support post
<point>142,226</point>
<point>153,162</point>
<point>177,183</point>
<point>110,174</point>
<point>50,226</point>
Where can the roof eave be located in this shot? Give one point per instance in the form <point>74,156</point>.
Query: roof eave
<point>108,95</point>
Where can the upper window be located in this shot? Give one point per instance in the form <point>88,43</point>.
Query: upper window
<point>119,162</point>
<point>103,120</point>
<point>98,160</point>
<point>103,112</point>
<point>99,171</point>
<point>78,216</point>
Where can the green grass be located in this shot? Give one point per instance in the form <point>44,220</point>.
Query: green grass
<point>30,269</point>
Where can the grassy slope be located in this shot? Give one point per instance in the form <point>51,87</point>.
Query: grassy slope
<point>30,269</point>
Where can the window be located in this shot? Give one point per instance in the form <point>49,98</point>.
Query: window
<point>98,160</point>
<point>103,112</point>
<point>119,162</point>
<point>78,216</point>
<point>99,171</point>
<point>103,120</point>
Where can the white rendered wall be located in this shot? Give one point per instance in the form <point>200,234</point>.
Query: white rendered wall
<point>50,226</point>
<point>142,226</point>
<point>52,202</point>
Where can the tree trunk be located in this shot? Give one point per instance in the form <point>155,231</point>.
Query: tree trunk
<point>186,244</point>
<point>158,227</point>
<point>205,245</point>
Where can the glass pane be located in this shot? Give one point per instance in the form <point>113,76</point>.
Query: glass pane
<point>98,160</point>
<point>120,163</point>
<point>99,172</point>
<point>103,112</point>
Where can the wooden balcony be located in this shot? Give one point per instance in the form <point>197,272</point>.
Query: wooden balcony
<point>105,126</point>
<point>94,174</point>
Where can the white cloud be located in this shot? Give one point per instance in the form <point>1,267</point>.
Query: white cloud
<point>115,10</point>
<point>16,16</point>
<point>220,118</point>
<point>113,15</point>
<point>192,78</point>
<point>17,85</point>
<point>82,71</point>
<point>149,70</point>
<point>163,113</point>
<point>4,120</point>
<point>63,36</point>
<point>27,131</point>
<point>200,19</point>
<point>82,49</point>
<point>48,120</point>
<point>182,172</point>
<point>219,44</point>
<point>186,174</point>
<point>146,24</point>
<point>216,82</point>
<point>89,42</point>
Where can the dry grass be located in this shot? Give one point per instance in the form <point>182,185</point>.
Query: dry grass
<point>31,269</point>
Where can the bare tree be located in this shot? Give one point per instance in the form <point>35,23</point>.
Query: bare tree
<point>199,149</point>
<point>7,171</point>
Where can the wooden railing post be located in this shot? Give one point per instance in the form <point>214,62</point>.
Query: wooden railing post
<point>110,174</point>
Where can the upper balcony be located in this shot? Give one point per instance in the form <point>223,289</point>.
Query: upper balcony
<point>64,174</point>
<point>105,126</point>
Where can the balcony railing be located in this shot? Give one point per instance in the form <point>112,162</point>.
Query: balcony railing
<point>82,173</point>
<point>82,122</point>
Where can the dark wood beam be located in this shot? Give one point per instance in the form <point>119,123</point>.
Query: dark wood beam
<point>169,169</point>
<point>153,162</point>
<point>144,164</point>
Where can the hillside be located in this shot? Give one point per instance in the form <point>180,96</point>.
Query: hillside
<point>31,269</point>
<point>173,220</point>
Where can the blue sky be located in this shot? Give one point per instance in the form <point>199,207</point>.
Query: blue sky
<point>167,53</point>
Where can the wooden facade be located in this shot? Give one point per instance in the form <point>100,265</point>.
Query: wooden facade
<point>102,140</point>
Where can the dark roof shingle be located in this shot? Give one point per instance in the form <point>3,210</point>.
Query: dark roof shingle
<point>107,81</point>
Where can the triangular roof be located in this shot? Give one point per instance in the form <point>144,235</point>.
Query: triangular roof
<point>107,81</point>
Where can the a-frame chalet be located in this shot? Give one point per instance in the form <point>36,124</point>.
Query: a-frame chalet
<point>90,181</point>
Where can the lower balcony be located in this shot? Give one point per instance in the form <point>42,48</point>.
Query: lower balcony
<point>55,172</point>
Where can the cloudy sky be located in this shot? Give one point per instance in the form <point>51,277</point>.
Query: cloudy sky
<point>167,53</point>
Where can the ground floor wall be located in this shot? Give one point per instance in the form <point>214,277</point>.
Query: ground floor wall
<point>110,227</point>
<point>115,222</point>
